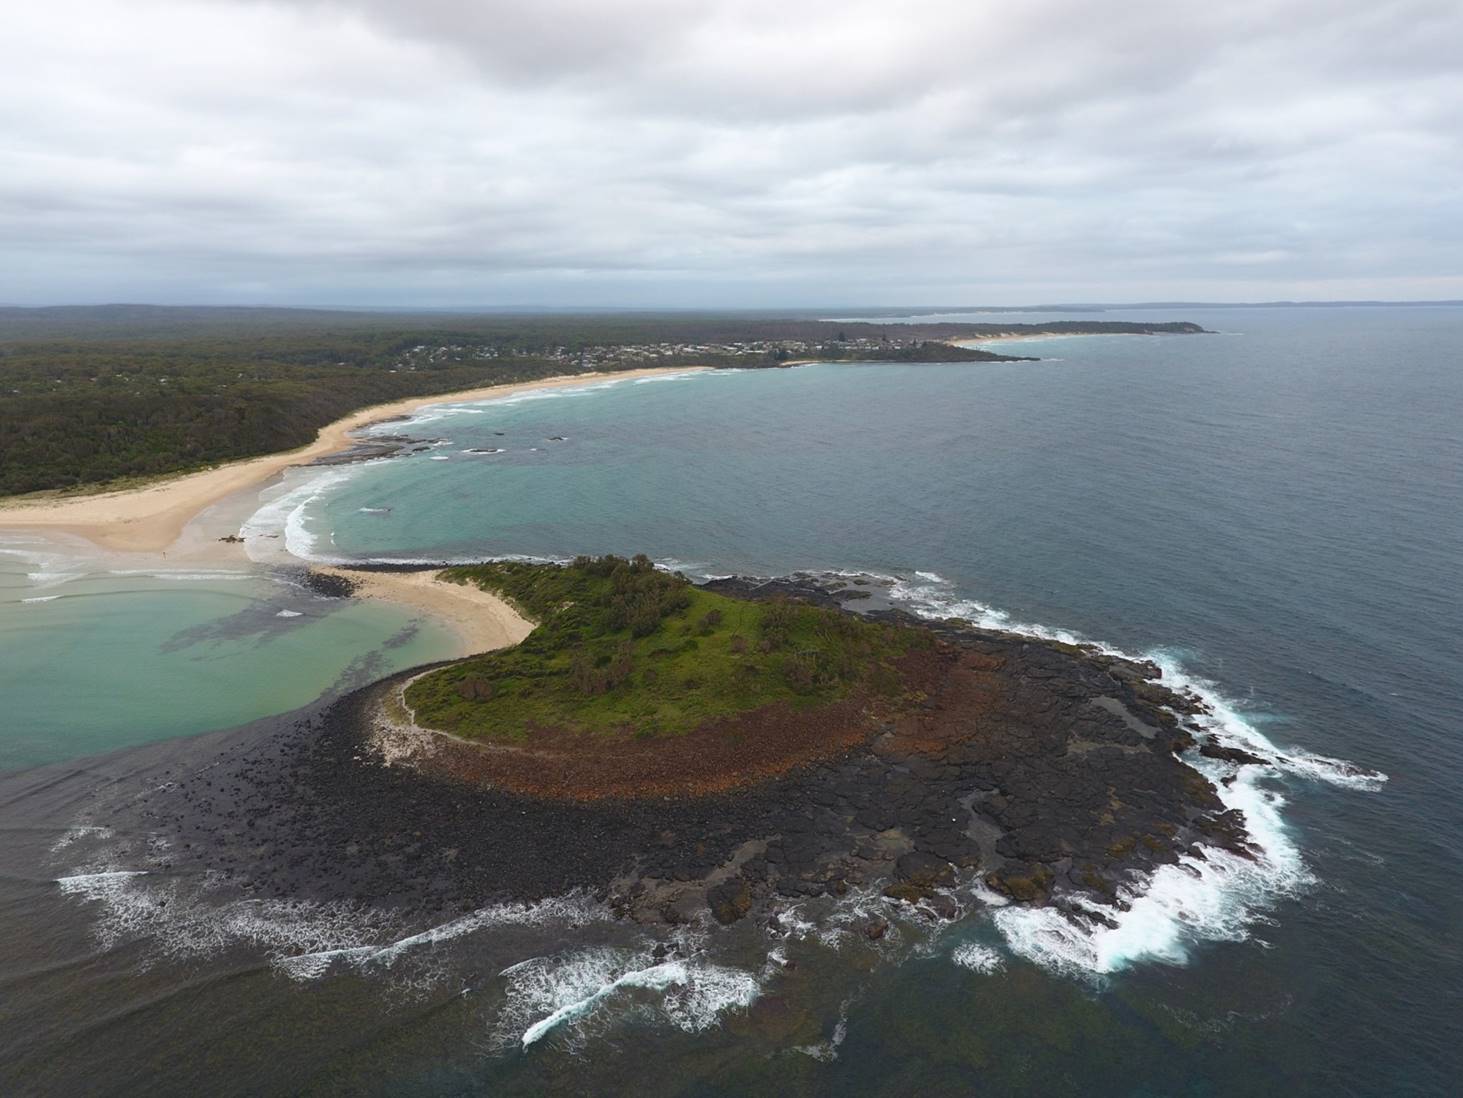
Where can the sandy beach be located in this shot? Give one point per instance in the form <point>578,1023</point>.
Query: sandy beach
<point>151,518</point>
<point>482,620</point>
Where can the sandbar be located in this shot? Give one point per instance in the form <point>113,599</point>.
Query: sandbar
<point>482,620</point>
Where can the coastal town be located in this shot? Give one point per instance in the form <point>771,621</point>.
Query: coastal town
<point>604,355</point>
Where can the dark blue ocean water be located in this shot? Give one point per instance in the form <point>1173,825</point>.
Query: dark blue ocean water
<point>1276,510</point>
<point>1280,506</point>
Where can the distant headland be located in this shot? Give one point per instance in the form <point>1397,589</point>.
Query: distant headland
<point>110,397</point>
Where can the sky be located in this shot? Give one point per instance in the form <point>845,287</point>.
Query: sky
<point>738,153</point>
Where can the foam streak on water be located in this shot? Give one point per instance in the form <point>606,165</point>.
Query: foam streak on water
<point>182,918</point>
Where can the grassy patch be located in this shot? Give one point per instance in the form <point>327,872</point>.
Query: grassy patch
<point>621,648</point>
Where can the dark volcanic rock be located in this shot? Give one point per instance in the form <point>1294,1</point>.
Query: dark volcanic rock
<point>1214,750</point>
<point>730,900</point>
<point>924,870</point>
<point>380,446</point>
<point>328,586</point>
<point>1044,769</point>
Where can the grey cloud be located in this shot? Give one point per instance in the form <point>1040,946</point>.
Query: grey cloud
<point>737,151</point>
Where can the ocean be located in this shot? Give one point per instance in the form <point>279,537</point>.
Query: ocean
<point>1274,513</point>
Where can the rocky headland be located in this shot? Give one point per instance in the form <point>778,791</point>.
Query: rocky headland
<point>1044,772</point>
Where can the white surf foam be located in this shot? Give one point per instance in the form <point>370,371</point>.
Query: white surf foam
<point>78,832</point>
<point>282,522</point>
<point>51,568</point>
<point>1179,906</point>
<point>178,919</point>
<point>288,614</point>
<point>1216,899</point>
<point>432,413</point>
<point>933,597</point>
<point>184,575</point>
<point>185,918</point>
<point>827,1051</point>
<point>570,910</point>
<point>977,958</point>
<point>1227,725</point>
<point>41,598</point>
<point>579,989</point>
<point>930,595</point>
<point>1322,768</point>
<point>86,884</point>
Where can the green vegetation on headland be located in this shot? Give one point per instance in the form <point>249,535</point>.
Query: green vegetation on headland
<point>622,648</point>
<point>89,396</point>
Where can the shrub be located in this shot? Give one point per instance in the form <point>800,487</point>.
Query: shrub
<point>802,671</point>
<point>622,663</point>
<point>475,688</point>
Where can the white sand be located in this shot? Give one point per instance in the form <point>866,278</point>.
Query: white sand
<point>483,621</point>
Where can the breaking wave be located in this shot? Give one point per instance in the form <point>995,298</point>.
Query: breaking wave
<point>181,918</point>
<point>574,994</point>
<point>575,991</point>
<point>432,413</point>
<point>1214,898</point>
<point>51,566</point>
<point>178,921</point>
<point>282,524</point>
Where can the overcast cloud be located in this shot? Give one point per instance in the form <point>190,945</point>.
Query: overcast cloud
<point>734,152</point>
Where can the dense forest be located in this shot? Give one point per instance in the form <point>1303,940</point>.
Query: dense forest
<point>90,395</point>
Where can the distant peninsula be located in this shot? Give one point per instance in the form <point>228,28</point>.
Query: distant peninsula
<point>111,396</point>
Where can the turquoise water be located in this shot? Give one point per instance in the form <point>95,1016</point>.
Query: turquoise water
<point>94,661</point>
<point>1275,512</point>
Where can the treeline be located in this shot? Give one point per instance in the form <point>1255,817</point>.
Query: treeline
<point>525,332</point>
<point>149,420</point>
<point>90,395</point>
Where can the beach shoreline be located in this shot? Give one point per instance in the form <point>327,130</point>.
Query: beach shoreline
<point>189,517</point>
<point>482,621</point>
<point>151,518</point>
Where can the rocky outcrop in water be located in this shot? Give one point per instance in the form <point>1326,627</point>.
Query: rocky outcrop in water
<point>1039,770</point>
<point>327,585</point>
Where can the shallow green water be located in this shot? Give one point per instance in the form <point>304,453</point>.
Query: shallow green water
<point>113,660</point>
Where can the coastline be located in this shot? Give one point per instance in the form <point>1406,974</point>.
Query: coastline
<point>151,518</point>
<point>886,820</point>
<point>976,342</point>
